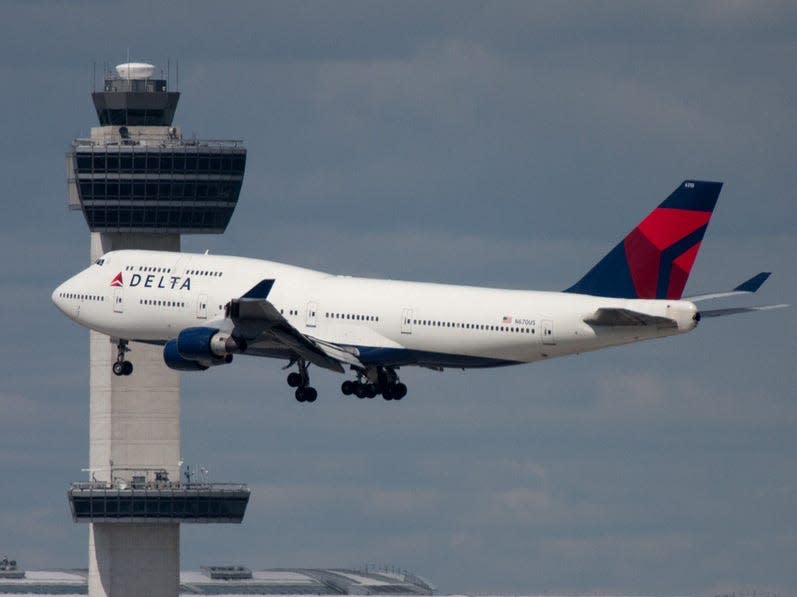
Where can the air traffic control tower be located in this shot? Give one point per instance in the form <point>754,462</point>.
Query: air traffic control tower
<point>140,185</point>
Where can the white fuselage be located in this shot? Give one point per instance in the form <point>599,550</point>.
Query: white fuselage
<point>388,322</point>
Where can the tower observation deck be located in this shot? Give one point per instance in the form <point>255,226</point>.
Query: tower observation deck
<point>140,185</point>
<point>136,173</point>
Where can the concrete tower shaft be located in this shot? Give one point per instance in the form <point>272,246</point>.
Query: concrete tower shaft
<point>134,420</point>
<point>140,185</point>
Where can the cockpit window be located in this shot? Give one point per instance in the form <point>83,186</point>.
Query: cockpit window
<point>100,261</point>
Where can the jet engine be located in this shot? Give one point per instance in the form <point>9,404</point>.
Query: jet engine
<point>173,359</point>
<point>196,349</point>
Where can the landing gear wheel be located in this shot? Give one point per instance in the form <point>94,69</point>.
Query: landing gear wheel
<point>306,394</point>
<point>294,379</point>
<point>121,366</point>
<point>399,391</point>
<point>384,382</point>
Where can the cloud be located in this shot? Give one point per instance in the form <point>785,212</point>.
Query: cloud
<point>444,142</point>
<point>639,396</point>
<point>16,409</point>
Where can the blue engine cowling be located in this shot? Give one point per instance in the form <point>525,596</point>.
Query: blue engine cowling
<point>195,344</point>
<point>196,349</point>
<point>173,359</point>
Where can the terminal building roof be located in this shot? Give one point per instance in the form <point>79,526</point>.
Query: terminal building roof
<point>238,580</point>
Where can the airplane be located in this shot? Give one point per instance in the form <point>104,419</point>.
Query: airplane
<point>204,308</point>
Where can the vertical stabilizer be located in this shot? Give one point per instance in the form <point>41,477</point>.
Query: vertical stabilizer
<point>655,259</point>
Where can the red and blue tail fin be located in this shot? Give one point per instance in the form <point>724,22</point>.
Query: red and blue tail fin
<point>654,260</point>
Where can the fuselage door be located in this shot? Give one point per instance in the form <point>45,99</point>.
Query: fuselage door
<point>202,307</point>
<point>406,321</point>
<point>310,316</point>
<point>118,304</point>
<point>548,337</point>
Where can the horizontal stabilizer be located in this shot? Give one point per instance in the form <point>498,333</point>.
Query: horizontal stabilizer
<point>611,317</point>
<point>747,287</point>
<point>735,310</point>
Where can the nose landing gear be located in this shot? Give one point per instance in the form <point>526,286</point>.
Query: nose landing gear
<point>121,366</point>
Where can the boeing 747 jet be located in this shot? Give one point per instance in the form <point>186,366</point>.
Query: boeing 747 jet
<point>203,309</point>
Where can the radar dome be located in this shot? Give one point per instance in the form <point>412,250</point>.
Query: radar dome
<point>135,70</point>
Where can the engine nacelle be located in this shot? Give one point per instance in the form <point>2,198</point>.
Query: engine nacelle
<point>196,349</point>
<point>173,359</point>
<point>207,344</point>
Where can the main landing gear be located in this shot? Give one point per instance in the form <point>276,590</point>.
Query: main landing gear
<point>370,383</point>
<point>301,381</point>
<point>121,366</point>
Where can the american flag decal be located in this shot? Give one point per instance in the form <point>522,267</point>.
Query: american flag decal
<point>506,319</point>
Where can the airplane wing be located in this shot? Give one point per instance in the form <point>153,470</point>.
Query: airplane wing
<point>612,317</point>
<point>257,320</point>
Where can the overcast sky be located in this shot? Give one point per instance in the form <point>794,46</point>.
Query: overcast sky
<point>505,144</point>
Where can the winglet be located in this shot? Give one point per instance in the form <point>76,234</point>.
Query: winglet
<point>754,283</point>
<point>260,291</point>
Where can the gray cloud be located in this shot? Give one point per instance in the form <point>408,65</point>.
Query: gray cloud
<point>509,145</point>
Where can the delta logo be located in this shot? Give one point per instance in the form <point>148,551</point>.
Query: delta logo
<point>153,281</point>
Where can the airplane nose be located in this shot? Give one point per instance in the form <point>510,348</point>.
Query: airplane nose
<point>67,297</point>
<point>57,298</point>
<point>64,297</point>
